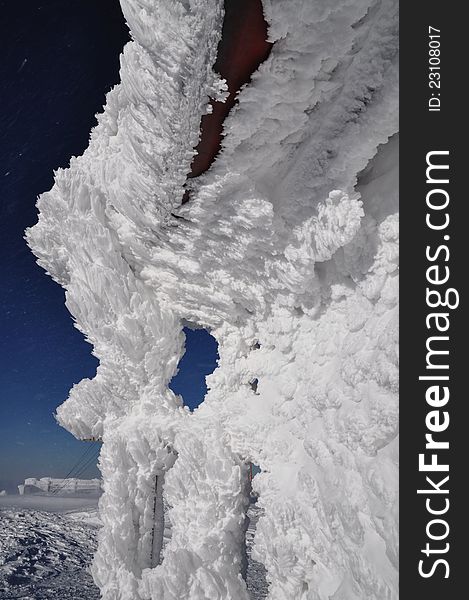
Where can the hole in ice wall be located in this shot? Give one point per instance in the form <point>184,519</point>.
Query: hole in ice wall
<point>199,360</point>
<point>254,383</point>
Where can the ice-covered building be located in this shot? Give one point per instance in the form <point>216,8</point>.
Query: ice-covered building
<point>287,254</point>
<point>61,487</point>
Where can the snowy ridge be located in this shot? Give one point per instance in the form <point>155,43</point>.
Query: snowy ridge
<point>278,247</point>
<point>50,485</point>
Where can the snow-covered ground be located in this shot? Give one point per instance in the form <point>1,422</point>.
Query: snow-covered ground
<point>287,252</point>
<point>46,548</point>
<point>46,555</point>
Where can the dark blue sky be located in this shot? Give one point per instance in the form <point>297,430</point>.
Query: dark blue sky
<point>58,60</point>
<point>199,360</point>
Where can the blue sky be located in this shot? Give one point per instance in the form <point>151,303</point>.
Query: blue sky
<point>199,360</point>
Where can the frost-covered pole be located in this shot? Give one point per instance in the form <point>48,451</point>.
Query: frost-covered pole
<point>158,522</point>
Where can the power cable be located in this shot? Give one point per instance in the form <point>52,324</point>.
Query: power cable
<point>78,466</point>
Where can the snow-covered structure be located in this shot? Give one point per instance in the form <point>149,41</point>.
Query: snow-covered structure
<point>61,487</point>
<point>287,253</point>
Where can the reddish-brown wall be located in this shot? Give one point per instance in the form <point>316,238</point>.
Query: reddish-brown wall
<point>243,47</point>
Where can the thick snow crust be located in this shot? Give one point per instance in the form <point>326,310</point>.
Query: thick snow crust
<point>287,253</point>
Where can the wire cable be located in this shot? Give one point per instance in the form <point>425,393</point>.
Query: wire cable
<point>80,466</point>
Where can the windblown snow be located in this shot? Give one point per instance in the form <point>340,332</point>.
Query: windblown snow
<point>46,556</point>
<point>287,254</point>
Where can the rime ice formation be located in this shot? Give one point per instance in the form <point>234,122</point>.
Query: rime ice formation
<point>287,253</point>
